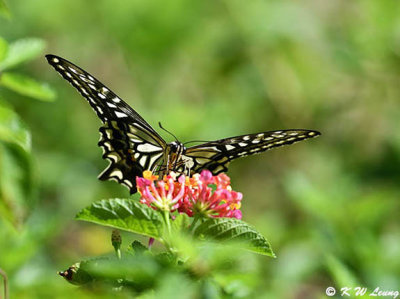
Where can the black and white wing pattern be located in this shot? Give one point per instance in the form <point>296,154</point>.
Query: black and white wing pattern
<point>216,155</point>
<point>128,141</point>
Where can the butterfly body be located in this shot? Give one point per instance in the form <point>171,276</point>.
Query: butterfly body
<point>132,145</point>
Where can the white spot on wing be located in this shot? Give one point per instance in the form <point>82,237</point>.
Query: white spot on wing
<point>117,173</point>
<point>229,147</point>
<point>148,148</point>
<point>142,160</point>
<point>128,183</point>
<point>104,90</point>
<point>242,144</point>
<point>113,156</point>
<point>111,105</point>
<point>101,95</point>
<point>107,145</point>
<point>134,138</point>
<point>116,100</point>
<point>120,114</point>
<point>154,158</point>
<point>109,133</point>
<point>84,79</point>
<point>73,70</point>
<point>56,60</point>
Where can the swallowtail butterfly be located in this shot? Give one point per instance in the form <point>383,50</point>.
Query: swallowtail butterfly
<point>132,145</point>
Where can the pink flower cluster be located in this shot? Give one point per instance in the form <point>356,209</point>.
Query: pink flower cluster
<point>202,194</point>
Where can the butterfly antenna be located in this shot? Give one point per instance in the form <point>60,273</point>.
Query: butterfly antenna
<point>159,123</point>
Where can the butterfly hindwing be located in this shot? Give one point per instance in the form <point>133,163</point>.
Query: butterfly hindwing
<point>132,145</point>
<point>216,155</point>
<point>128,141</point>
<point>129,153</point>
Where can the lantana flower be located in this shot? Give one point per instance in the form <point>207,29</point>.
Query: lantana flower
<point>202,194</point>
<point>164,194</point>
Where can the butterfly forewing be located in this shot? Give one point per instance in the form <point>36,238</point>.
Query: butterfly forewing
<point>216,155</point>
<point>128,141</point>
<point>132,145</point>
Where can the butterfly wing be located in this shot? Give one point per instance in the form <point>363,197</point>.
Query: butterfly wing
<point>216,155</point>
<point>128,141</point>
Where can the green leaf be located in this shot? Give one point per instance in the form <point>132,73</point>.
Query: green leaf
<point>16,175</point>
<point>125,214</point>
<point>3,48</point>
<point>181,223</point>
<point>16,183</point>
<point>137,268</point>
<point>12,129</point>
<point>21,51</point>
<point>232,229</point>
<point>27,86</point>
<point>4,9</point>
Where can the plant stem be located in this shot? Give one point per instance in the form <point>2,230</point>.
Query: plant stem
<point>2,273</point>
<point>167,221</point>
<point>118,253</point>
<point>193,225</point>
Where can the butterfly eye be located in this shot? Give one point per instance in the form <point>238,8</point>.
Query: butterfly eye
<point>174,147</point>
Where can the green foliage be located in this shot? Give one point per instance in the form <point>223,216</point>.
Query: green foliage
<point>143,272</point>
<point>132,216</point>
<point>208,70</point>
<point>16,54</point>
<point>27,86</point>
<point>22,51</point>
<point>17,177</point>
<point>232,229</point>
<point>139,270</point>
<point>4,11</point>
<point>16,173</point>
<point>3,49</point>
<point>12,129</point>
<point>124,214</point>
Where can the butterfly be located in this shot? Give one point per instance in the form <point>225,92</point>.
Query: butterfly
<point>132,145</point>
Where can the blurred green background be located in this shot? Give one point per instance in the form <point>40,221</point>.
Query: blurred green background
<point>212,69</point>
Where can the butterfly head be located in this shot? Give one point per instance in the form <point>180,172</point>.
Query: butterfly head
<point>176,147</point>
